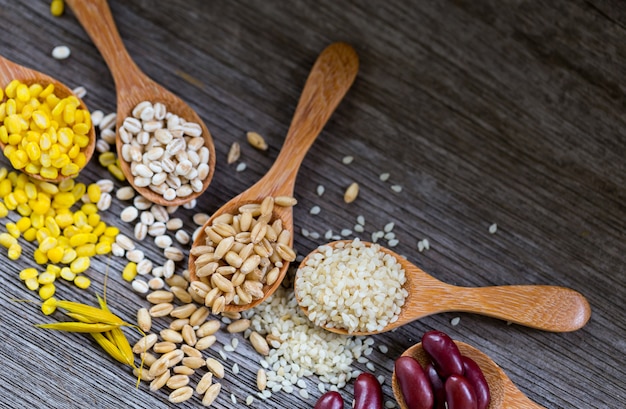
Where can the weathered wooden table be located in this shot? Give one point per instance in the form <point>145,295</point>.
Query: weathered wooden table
<point>482,112</point>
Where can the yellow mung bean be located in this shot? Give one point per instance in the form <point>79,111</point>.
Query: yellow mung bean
<point>44,134</point>
<point>65,238</point>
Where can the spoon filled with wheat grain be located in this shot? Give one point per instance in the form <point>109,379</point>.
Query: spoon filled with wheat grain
<point>504,393</point>
<point>31,162</point>
<point>242,252</point>
<point>360,288</point>
<point>159,173</point>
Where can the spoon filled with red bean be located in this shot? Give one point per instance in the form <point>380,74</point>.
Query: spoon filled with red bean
<point>360,288</point>
<point>441,373</point>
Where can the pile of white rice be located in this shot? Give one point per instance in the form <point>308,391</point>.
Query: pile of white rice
<point>301,349</point>
<point>352,286</point>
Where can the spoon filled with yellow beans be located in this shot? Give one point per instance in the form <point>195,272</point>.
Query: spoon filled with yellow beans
<point>45,130</point>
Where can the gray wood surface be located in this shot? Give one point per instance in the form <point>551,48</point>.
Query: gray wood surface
<point>487,111</point>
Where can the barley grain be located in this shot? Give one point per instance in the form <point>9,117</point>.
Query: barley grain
<point>215,367</point>
<point>259,343</point>
<point>164,347</point>
<point>183,370</point>
<point>261,379</point>
<point>351,193</point>
<point>238,326</point>
<point>181,394</point>
<point>211,394</point>
<point>233,153</point>
<point>160,381</point>
<point>204,383</point>
<point>194,362</point>
<point>256,141</point>
<point>183,311</point>
<point>205,342</point>
<point>179,323</point>
<point>161,310</point>
<point>208,328</point>
<point>145,343</point>
<point>144,320</point>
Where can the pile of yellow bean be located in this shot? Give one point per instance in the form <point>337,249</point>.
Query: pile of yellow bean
<point>43,134</point>
<point>66,239</point>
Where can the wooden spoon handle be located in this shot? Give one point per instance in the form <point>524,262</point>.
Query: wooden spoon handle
<point>96,18</point>
<point>514,399</point>
<point>332,75</point>
<point>549,308</point>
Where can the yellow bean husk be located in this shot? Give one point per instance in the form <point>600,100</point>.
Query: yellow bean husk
<point>84,327</point>
<point>91,313</point>
<point>111,349</point>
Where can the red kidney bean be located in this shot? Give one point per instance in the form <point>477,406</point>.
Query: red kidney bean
<point>367,392</point>
<point>476,378</point>
<point>459,393</point>
<point>414,384</point>
<point>436,383</point>
<point>330,400</point>
<point>444,352</point>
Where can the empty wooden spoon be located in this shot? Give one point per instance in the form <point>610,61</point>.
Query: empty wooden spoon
<point>504,394</point>
<point>549,308</point>
<point>10,71</point>
<point>330,78</point>
<point>132,87</point>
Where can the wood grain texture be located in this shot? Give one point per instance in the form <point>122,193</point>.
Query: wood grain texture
<point>507,112</point>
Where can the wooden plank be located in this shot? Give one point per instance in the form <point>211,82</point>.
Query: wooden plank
<point>482,111</point>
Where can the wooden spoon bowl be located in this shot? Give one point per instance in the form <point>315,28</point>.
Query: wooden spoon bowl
<point>11,71</point>
<point>330,78</point>
<point>132,87</point>
<point>549,308</point>
<point>504,393</point>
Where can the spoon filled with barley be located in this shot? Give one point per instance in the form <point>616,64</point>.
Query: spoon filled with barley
<point>75,136</point>
<point>166,151</point>
<point>360,288</point>
<point>242,252</point>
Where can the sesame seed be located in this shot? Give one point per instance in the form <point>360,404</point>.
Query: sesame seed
<point>315,210</point>
<point>346,232</point>
<point>360,220</point>
<point>396,188</point>
<point>455,321</point>
<point>347,160</point>
<point>389,227</point>
<point>241,167</point>
<point>493,228</point>
<point>320,190</point>
<point>384,177</point>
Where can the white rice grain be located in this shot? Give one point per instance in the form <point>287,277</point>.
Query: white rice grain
<point>341,287</point>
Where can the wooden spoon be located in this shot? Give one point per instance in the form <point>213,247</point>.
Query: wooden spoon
<point>133,86</point>
<point>330,78</point>
<point>549,308</point>
<point>504,394</point>
<point>11,71</point>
